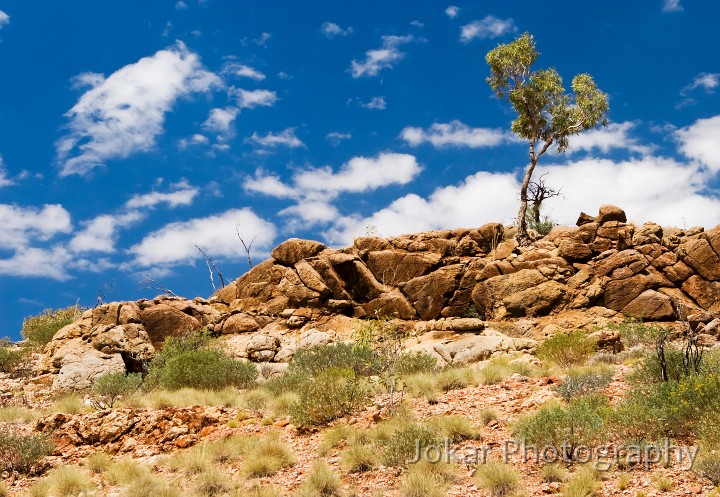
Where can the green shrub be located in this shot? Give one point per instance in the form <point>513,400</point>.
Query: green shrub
<point>415,362</point>
<point>321,482</point>
<point>497,478</point>
<point>648,369</point>
<point>362,360</point>
<point>359,458</point>
<point>582,383</point>
<point>10,359</point>
<point>20,452</point>
<point>455,378</point>
<point>708,466</point>
<point>268,456</point>
<point>634,332</point>
<point>331,394</point>
<point>40,329</point>
<point>581,422</point>
<point>69,481</point>
<point>403,443</point>
<point>566,349</point>
<point>454,428</point>
<point>190,361</point>
<point>109,388</point>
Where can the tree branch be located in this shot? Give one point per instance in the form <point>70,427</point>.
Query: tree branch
<point>209,262</point>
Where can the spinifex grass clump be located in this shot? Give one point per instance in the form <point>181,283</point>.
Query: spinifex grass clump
<point>40,329</point>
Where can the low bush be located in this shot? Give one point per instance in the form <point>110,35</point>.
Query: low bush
<point>40,329</point>
<point>421,484</point>
<point>69,481</point>
<point>362,360</point>
<point>359,458</point>
<point>321,482</point>
<point>10,358</point>
<point>267,456</point>
<point>190,362</point>
<point>19,452</point>
<point>581,422</point>
<point>403,443</point>
<point>634,332</point>
<point>455,378</point>
<point>648,369</point>
<point>583,382</point>
<point>708,466</point>
<point>415,362</point>
<point>497,479</point>
<point>566,349</point>
<point>109,388</point>
<point>454,428</point>
<point>331,394</point>
<point>583,483</point>
<point>554,472</point>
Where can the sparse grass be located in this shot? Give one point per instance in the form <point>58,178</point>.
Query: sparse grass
<point>455,428</point>
<point>99,462</point>
<point>321,482</point>
<point>584,381</point>
<point>494,373</point>
<point>456,378</point>
<point>583,483</point>
<point>267,456</point>
<point>192,462</point>
<point>497,479</point>
<point>487,415</point>
<point>17,414</point>
<point>554,472</point>
<point>421,484</point>
<point>256,399</point>
<point>258,491</point>
<point>227,449</point>
<point>708,466</point>
<point>335,436</point>
<point>212,483</point>
<point>423,385</point>
<point>125,471</point>
<point>70,403</point>
<point>333,393</point>
<point>623,481</point>
<point>69,481</point>
<point>359,458</point>
<point>280,404</point>
<point>151,485</point>
<point>663,483</point>
<point>185,397</point>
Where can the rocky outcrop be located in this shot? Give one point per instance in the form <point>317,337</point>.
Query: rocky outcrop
<point>481,273</point>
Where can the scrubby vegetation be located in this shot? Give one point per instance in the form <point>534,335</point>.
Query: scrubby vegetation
<point>19,452</point>
<point>566,349</point>
<point>40,329</point>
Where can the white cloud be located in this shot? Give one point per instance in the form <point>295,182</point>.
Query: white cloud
<point>285,138</point>
<point>255,98</point>
<point>175,242</point>
<point>4,19</point>
<point>181,5</point>
<point>36,262</point>
<point>331,30</point>
<point>613,136</point>
<point>183,194</point>
<point>21,225</point>
<point>263,39</point>
<point>488,27</point>
<point>672,6</point>
<point>268,184</point>
<point>335,137</point>
<point>4,181</point>
<point>456,134</point>
<point>99,234</point>
<point>196,139</point>
<point>452,11</point>
<point>649,189</point>
<point>700,141</point>
<point>708,82</point>
<point>242,71</point>
<point>376,103</point>
<point>220,121</point>
<point>381,58</point>
<point>124,113</point>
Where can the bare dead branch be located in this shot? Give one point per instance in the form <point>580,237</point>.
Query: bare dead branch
<point>539,192</point>
<point>211,267</point>
<point>151,284</point>
<point>246,246</point>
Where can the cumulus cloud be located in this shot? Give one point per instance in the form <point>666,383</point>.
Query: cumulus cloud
<point>375,103</point>
<point>612,136</point>
<point>335,137</point>
<point>99,234</point>
<point>38,262</point>
<point>175,243</point>
<point>672,6</point>
<point>487,28</point>
<point>455,134</point>
<point>331,30</point>
<point>220,121</point>
<point>641,186</point>
<point>384,57</point>
<point>19,226</point>
<point>182,194</point>
<point>285,138</point>
<point>4,180</point>
<point>452,11</point>
<point>699,141</point>
<point>125,112</point>
<point>249,99</point>
<point>243,71</point>
<point>4,19</point>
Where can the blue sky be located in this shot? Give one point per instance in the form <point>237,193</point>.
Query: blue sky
<point>131,131</point>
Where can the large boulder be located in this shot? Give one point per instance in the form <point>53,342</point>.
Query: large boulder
<point>428,294</point>
<point>651,306</point>
<point>700,255</point>
<point>162,321</point>
<point>292,251</point>
<point>611,213</point>
<point>392,267</point>
<point>81,364</point>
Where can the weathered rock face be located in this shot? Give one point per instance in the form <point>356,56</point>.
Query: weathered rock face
<point>603,264</point>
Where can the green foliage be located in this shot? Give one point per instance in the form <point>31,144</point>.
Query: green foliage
<point>40,329</point>
<point>566,349</point>
<point>108,388</point>
<point>415,362</point>
<point>312,361</point>
<point>403,443</point>
<point>267,456</point>
<point>581,383</point>
<point>581,422</point>
<point>10,359</point>
<point>497,479</point>
<point>19,452</point>
<point>359,458</point>
<point>331,394</point>
<point>554,472</point>
<point>190,361</point>
<point>69,481</point>
<point>454,428</point>
<point>648,370</point>
<point>708,466</point>
<point>634,332</point>
<point>544,226</point>
<point>321,482</point>
<point>582,484</point>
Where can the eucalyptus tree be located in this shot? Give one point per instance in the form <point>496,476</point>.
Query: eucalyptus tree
<point>546,113</point>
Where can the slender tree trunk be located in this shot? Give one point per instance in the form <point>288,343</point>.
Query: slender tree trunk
<point>522,235</point>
